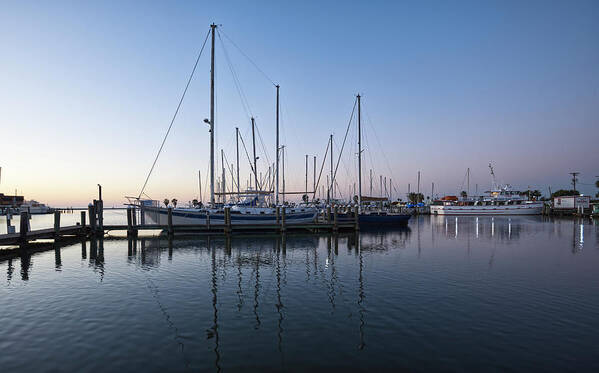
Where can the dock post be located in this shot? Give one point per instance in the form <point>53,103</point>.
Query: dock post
<point>100,212</point>
<point>83,219</point>
<point>227,220</point>
<point>24,225</point>
<point>134,221</point>
<point>92,218</point>
<point>129,222</point>
<point>170,221</point>
<point>278,210</point>
<point>335,211</point>
<point>356,219</point>
<point>329,214</point>
<point>56,223</point>
<point>208,220</point>
<point>283,214</point>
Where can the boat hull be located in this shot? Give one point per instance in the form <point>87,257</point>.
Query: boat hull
<point>188,217</point>
<point>525,209</point>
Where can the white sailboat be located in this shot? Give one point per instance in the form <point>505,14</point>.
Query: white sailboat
<point>253,209</point>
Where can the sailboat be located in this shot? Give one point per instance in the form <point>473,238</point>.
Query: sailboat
<point>374,218</point>
<point>253,210</point>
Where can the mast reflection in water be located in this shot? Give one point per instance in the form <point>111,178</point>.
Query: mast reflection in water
<point>446,293</point>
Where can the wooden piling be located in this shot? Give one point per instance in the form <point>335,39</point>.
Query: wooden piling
<point>56,223</point>
<point>278,210</point>
<point>91,213</point>
<point>335,212</point>
<point>328,214</point>
<point>100,214</point>
<point>227,220</point>
<point>170,221</point>
<point>129,222</point>
<point>356,218</point>
<point>24,225</point>
<point>283,215</point>
<point>83,219</point>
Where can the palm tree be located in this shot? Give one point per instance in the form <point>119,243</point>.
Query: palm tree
<point>174,202</point>
<point>166,202</point>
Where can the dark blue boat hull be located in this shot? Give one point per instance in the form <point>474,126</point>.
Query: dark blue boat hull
<point>383,219</point>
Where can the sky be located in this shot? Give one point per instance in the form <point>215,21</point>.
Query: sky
<point>88,90</point>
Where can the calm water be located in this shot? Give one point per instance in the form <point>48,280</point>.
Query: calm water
<point>493,294</point>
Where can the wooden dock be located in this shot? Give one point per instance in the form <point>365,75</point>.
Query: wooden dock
<point>96,227</point>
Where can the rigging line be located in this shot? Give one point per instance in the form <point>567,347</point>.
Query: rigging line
<point>244,101</point>
<point>378,141</point>
<point>247,154</point>
<point>321,168</point>
<point>343,145</point>
<point>174,116</point>
<point>249,59</point>
<point>262,143</point>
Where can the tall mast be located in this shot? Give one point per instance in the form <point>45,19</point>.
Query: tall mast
<point>306,174</point>
<point>224,184</point>
<point>468,172</point>
<point>237,141</point>
<point>213,27</point>
<point>314,179</point>
<point>255,159</point>
<point>332,186</point>
<point>277,153</point>
<point>283,161</point>
<point>360,157</point>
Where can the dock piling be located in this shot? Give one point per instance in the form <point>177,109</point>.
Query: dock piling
<point>283,214</point>
<point>56,223</point>
<point>83,219</point>
<point>335,212</point>
<point>170,221</point>
<point>24,225</point>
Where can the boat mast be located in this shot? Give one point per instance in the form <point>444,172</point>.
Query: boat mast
<point>255,159</point>
<point>468,172</point>
<point>283,161</point>
<point>277,153</point>
<point>213,27</point>
<point>306,174</point>
<point>360,158</point>
<point>332,191</point>
<point>237,141</point>
<point>224,185</point>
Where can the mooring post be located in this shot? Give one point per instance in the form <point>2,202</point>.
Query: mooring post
<point>129,222</point>
<point>134,220</point>
<point>356,218</point>
<point>278,210</point>
<point>208,220</point>
<point>328,214</point>
<point>83,219</point>
<point>92,220</point>
<point>100,212</point>
<point>56,223</point>
<point>283,214</point>
<point>170,221</point>
<point>335,227</point>
<point>24,225</point>
<point>227,219</point>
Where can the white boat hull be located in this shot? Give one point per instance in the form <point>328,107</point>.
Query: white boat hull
<point>523,209</point>
<point>159,215</point>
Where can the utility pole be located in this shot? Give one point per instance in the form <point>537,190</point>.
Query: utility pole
<point>574,178</point>
<point>213,28</point>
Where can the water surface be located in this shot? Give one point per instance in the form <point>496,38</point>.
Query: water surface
<point>466,294</point>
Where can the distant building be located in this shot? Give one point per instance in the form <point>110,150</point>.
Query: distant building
<point>571,202</point>
<point>10,201</point>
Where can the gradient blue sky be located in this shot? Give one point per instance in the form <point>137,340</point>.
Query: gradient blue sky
<point>88,90</point>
